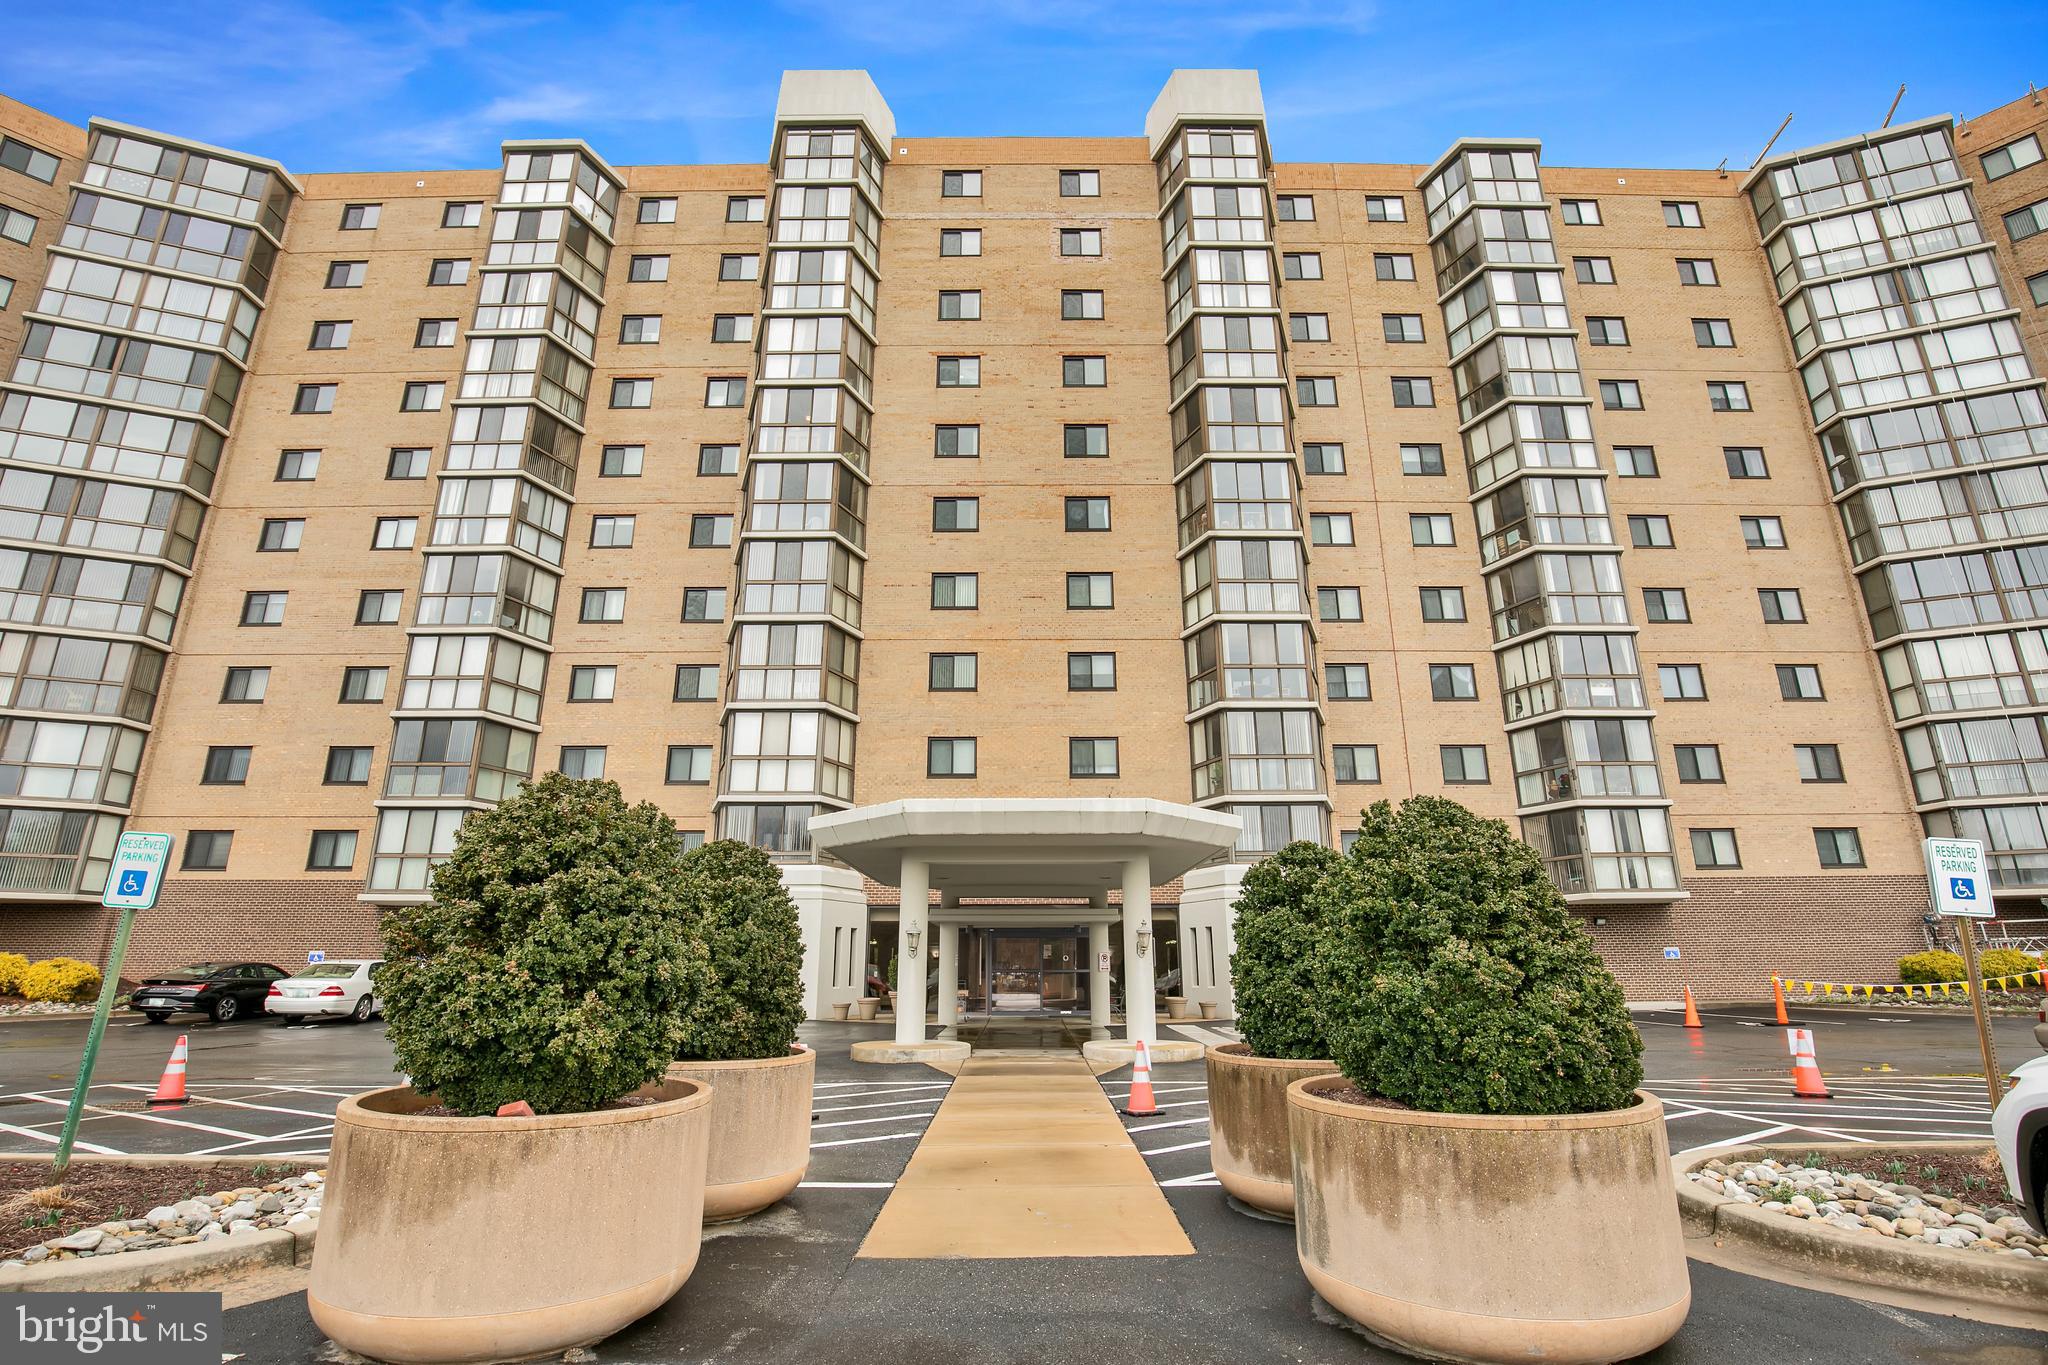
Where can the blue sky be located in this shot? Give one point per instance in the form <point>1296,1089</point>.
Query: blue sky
<point>379,86</point>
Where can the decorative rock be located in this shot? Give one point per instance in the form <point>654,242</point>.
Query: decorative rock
<point>189,1209</point>
<point>242,1225</point>
<point>237,1211</point>
<point>34,1254</point>
<point>269,1203</point>
<point>1879,1225</point>
<point>298,1220</point>
<point>1802,1207</point>
<point>145,1243</point>
<point>1910,1227</point>
<point>1847,1221</point>
<point>84,1240</point>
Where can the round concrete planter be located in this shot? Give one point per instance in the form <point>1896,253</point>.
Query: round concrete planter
<point>839,1011</point>
<point>1491,1238</point>
<point>1176,1007</point>
<point>1248,1124</point>
<point>1209,1009</point>
<point>428,1234</point>
<point>760,1129</point>
<point>865,1008</point>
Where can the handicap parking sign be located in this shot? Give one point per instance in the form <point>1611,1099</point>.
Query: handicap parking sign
<point>1957,878</point>
<point>137,874</point>
<point>1962,888</point>
<point>134,882</point>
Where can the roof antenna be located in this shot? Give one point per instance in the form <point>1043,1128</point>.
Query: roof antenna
<point>1895,106</point>
<point>2034,94</point>
<point>1722,169</point>
<point>1772,143</point>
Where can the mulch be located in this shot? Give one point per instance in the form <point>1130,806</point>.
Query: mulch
<point>94,1193</point>
<point>1351,1094</point>
<point>1953,1171</point>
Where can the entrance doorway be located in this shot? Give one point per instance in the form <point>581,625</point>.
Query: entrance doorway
<point>1041,973</point>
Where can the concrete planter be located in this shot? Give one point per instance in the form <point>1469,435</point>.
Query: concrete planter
<point>1209,1009</point>
<point>428,1234</point>
<point>839,1011</point>
<point>1176,1007</point>
<point>1248,1140</point>
<point>865,1007</point>
<point>1491,1238</point>
<point>760,1129</point>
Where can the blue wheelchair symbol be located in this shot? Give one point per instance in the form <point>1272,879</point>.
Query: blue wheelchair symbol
<point>1963,888</point>
<point>134,882</point>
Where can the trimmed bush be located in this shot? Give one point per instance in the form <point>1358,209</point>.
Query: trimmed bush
<point>1279,937</point>
<point>12,966</point>
<point>1919,969</point>
<point>1997,962</point>
<point>554,963</point>
<point>736,908</point>
<point>1455,979</point>
<point>61,980</point>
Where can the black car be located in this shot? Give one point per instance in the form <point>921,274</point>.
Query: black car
<point>225,990</point>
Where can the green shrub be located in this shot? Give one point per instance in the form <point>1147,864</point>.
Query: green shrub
<point>553,964</point>
<point>1273,967</point>
<point>1998,962</point>
<point>61,980</point>
<point>12,966</point>
<point>1457,982</point>
<point>1918,969</point>
<point>736,908</point>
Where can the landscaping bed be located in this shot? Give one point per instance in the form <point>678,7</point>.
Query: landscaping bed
<point>1953,1198</point>
<point>108,1208</point>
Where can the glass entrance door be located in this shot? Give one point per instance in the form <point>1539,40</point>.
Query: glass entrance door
<point>1035,971</point>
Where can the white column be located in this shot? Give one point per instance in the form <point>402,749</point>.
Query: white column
<point>1139,1020</point>
<point>1099,984</point>
<point>949,977</point>
<point>911,942</point>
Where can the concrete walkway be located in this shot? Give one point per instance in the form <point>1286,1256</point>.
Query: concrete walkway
<point>1025,1158</point>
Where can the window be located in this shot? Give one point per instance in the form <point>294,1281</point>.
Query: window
<point>1081,305</point>
<point>1649,532</point>
<point>1621,394</point>
<point>331,850</point>
<point>952,757</point>
<point>611,532</point>
<point>1323,457</point>
<point>245,686</point>
<point>1712,333</point>
<point>956,514</point>
<point>1414,391</point>
<point>263,608</point>
<point>1745,462</point>
<point>347,766</point>
<point>1818,762</point>
<point>737,267</point>
<point>379,606</point>
<point>1348,682</point>
<point>724,327</point>
<point>1356,762</point>
<point>1593,269</point>
<point>703,604</point>
<point>1665,605</point>
<point>363,685</point>
<point>1697,270</point>
<point>959,241</point>
<point>1089,591</point>
<point>720,461</point>
<point>32,162</point>
<point>2037,285</point>
<point>1308,326</point>
<point>206,850</point>
<point>2021,224</point>
<point>639,393</point>
<point>1463,764</point>
<point>726,391</point>
<point>1799,682</point>
<point>1087,514</point>
<point>1838,847</point>
<point>1763,533</point>
<point>1727,396</point>
<point>644,329</point>
<point>16,225</point>
<point>226,766</point>
<point>583,760</point>
<point>954,672</point>
<point>959,371</point>
<point>1294,208</point>
<point>689,764</point>
<point>1091,758</point>
<point>654,210</point>
<point>360,217</point>
<point>1430,528</point>
<point>1401,327</point>
<point>624,462</point>
<point>1315,391</point>
<point>462,215</point>
<point>395,533</point>
<point>1998,163</point>
<point>1387,265</point>
<point>448,272</point>
<point>314,398</point>
<point>1443,604</point>
<point>422,396</point>
<point>1681,682</point>
<point>1080,184</point>
<point>746,208</point>
<point>1681,213</point>
<point>435,332</point>
<point>603,605</point>
<point>696,682</point>
<point>1302,265</point>
<point>1084,371</point>
<point>1386,208</point>
<point>710,530</point>
<point>330,336</point>
<point>1086,440</point>
<point>7,291</point>
<point>1635,462</point>
<point>1422,460</point>
<point>1606,332</point>
<point>960,185</point>
<point>297,466</point>
<point>955,591</point>
<point>1714,848</point>
<point>1453,682</point>
<point>1580,212</point>
<point>281,535</point>
<point>593,682</point>
<point>956,442</point>
<point>1338,604</point>
<point>654,269</point>
<point>1080,241</point>
<point>959,305</point>
<point>1699,762</point>
<point>1330,528</point>
<point>346,274</point>
<point>1781,605</point>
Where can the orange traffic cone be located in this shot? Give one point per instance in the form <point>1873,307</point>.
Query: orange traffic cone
<point>171,1089</point>
<point>1778,996</point>
<point>1140,1103</point>
<point>1806,1081</point>
<point>1692,1011</point>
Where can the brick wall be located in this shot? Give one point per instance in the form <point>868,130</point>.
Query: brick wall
<point>222,921</point>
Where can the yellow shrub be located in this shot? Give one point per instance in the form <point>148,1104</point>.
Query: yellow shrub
<point>12,965</point>
<point>62,979</point>
<point>1999,962</point>
<point>1920,968</point>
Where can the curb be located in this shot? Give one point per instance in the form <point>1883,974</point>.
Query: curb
<point>1848,1260</point>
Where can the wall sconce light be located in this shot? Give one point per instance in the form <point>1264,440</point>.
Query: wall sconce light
<point>914,934</point>
<point>1144,939</point>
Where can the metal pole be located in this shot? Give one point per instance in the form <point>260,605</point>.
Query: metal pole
<point>110,985</point>
<point>1895,106</point>
<point>1993,1080</point>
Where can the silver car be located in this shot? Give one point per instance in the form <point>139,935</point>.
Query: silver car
<point>342,988</point>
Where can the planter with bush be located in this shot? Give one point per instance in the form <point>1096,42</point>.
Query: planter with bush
<point>1273,980</point>
<point>548,976</point>
<point>1483,1181</point>
<point>739,1033</point>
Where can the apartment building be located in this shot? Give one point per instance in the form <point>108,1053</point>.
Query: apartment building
<point>1006,531</point>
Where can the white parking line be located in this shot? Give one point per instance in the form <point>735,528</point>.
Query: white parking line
<point>879,1118</point>
<point>79,1143</point>
<point>233,1104</point>
<point>846,1184</point>
<point>849,1142</point>
<point>258,1142</point>
<point>146,1118</point>
<point>1757,1136</point>
<point>869,1085</point>
<point>1175,1123</point>
<point>1205,1178</point>
<point>1162,1151</point>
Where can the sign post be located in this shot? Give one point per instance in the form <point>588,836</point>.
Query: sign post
<point>1961,888</point>
<point>132,884</point>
